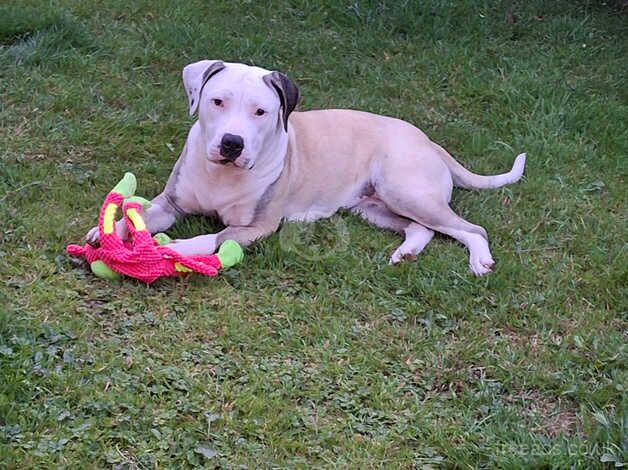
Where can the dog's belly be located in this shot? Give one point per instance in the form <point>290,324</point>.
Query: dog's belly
<point>311,214</point>
<point>322,207</point>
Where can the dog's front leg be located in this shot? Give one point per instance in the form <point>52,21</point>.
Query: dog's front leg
<point>266,220</point>
<point>200,245</point>
<point>208,244</point>
<point>162,213</point>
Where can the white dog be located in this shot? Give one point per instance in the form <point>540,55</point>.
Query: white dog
<point>253,162</point>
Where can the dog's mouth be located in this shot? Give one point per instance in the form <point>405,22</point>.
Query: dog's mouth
<point>226,161</point>
<point>216,160</point>
<point>244,163</point>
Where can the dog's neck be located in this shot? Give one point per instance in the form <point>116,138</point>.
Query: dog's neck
<point>270,163</point>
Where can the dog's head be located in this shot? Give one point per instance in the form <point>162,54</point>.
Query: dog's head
<point>241,109</point>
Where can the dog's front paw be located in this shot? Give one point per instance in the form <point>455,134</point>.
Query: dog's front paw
<point>92,237</point>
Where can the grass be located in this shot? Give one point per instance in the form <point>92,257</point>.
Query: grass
<point>315,353</point>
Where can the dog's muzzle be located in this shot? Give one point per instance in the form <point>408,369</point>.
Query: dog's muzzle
<point>231,146</point>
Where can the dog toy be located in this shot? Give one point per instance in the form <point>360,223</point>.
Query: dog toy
<point>143,257</point>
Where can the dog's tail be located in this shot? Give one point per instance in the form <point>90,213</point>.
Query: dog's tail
<point>463,178</point>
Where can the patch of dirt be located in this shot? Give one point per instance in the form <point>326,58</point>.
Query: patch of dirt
<point>534,342</point>
<point>548,416</point>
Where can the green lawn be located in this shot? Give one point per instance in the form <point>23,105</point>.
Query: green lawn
<point>315,353</point>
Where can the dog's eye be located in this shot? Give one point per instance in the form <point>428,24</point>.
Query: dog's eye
<point>217,101</point>
<point>260,112</point>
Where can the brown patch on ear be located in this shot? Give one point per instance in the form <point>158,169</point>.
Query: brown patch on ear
<point>209,72</point>
<point>288,93</point>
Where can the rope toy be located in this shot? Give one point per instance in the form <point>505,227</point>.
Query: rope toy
<point>144,257</point>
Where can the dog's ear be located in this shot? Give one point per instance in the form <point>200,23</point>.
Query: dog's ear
<point>288,93</point>
<point>195,77</point>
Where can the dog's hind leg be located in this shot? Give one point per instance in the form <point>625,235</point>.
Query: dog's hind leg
<point>417,236</point>
<point>430,209</point>
<point>437,215</point>
<point>374,211</point>
<point>419,188</point>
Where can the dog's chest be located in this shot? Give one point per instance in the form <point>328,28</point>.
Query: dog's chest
<point>231,198</point>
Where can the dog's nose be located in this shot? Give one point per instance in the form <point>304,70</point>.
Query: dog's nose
<point>231,146</point>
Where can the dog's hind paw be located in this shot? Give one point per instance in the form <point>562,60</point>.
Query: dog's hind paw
<point>481,267</point>
<point>398,256</point>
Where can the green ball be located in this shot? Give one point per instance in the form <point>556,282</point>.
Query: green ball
<point>162,239</point>
<point>230,254</point>
<point>100,269</point>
